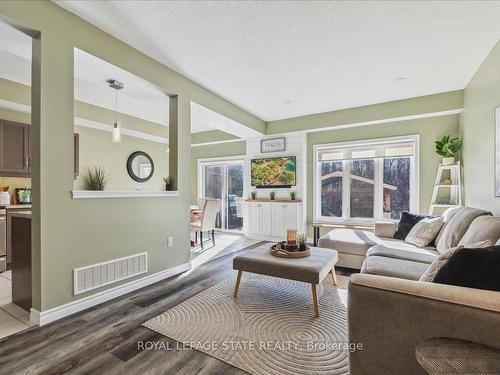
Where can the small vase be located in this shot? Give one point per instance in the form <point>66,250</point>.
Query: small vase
<point>302,247</point>
<point>448,161</point>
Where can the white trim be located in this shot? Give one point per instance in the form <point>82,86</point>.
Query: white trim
<point>372,122</point>
<point>109,128</point>
<point>345,219</point>
<point>55,313</point>
<point>13,106</point>
<point>94,194</point>
<point>217,142</point>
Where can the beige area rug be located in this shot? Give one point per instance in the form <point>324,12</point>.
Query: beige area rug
<point>269,329</point>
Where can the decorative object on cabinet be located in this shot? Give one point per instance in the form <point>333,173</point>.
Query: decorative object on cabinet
<point>272,195</point>
<point>96,179</point>
<point>293,195</point>
<point>23,195</point>
<point>253,194</point>
<point>273,145</point>
<point>4,195</point>
<point>140,166</point>
<point>447,147</point>
<point>169,183</point>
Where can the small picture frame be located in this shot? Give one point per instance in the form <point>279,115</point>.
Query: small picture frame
<point>273,145</point>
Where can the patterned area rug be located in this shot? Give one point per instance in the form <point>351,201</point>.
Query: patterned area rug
<point>269,329</point>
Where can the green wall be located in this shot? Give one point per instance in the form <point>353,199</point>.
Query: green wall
<point>211,151</point>
<point>429,130</point>
<point>96,149</point>
<point>482,96</point>
<point>71,233</point>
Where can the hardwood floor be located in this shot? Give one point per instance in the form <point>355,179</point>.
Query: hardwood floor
<point>104,339</point>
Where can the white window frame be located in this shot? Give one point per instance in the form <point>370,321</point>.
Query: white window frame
<point>378,192</point>
<point>219,161</point>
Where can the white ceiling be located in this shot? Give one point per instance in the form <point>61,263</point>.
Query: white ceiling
<point>139,98</point>
<point>319,55</point>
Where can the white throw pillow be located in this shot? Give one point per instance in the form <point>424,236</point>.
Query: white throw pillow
<point>424,232</point>
<point>443,258</point>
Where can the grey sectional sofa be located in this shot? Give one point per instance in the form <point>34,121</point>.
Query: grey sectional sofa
<point>390,312</point>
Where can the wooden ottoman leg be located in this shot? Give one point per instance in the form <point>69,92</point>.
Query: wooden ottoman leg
<point>315,299</point>
<point>334,276</point>
<point>238,279</point>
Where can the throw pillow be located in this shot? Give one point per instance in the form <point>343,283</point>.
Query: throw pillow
<point>424,232</point>
<point>442,259</point>
<point>472,268</point>
<point>407,222</point>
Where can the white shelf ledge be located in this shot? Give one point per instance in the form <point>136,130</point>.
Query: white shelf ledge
<point>93,194</point>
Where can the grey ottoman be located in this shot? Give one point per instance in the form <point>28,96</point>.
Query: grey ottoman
<point>312,269</point>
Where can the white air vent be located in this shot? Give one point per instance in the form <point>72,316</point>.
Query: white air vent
<point>100,274</point>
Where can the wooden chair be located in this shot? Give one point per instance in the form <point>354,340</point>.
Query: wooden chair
<point>207,221</point>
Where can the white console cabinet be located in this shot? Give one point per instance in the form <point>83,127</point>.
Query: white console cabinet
<point>268,219</point>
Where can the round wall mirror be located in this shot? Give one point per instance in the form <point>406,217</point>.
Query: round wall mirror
<point>140,166</point>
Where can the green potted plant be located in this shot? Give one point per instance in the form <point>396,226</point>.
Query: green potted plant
<point>253,195</point>
<point>272,195</point>
<point>96,179</point>
<point>302,241</point>
<point>169,183</point>
<point>447,147</point>
<point>293,195</point>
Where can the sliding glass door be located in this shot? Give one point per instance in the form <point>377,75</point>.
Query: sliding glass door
<point>223,180</point>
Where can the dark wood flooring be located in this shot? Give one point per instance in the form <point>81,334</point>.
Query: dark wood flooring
<point>104,339</point>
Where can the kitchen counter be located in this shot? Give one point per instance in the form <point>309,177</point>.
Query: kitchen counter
<point>21,214</point>
<point>16,206</point>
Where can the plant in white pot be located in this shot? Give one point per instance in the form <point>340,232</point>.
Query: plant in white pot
<point>447,147</point>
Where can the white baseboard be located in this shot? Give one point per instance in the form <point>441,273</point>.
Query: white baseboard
<point>44,317</point>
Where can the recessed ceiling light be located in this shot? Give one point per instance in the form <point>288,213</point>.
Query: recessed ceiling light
<point>287,102</point>
<point>399,79</point>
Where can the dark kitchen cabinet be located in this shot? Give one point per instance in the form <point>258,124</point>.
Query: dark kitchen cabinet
<point>15,149</point>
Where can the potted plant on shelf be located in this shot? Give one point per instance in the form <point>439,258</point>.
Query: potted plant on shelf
<point>96,179</point>
<point>169,183</point>
<point>272,195</point>
<point>302,241</point>
<point>292,195</point>
<point>253,194</point>
<point>447,147</point>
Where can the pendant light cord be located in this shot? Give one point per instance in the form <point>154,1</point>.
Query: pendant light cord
<point>116,106</point>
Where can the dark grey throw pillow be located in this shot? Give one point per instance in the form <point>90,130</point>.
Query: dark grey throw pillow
<point>472,268</point>
<point>408,221</point>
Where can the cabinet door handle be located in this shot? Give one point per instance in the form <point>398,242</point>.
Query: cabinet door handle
<point>25,162</point>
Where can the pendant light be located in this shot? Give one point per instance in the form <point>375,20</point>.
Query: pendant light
<point>116,133</point>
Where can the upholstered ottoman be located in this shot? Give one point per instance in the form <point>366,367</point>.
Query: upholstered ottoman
<point>312,269</point>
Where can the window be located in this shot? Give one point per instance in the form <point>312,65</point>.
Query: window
<point>359,182</point>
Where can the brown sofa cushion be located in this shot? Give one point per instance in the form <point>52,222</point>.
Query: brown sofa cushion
<point>457,226</point>
<point>481,229</point>
<point>403,269</point>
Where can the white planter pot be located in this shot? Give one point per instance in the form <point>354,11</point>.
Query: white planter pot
<point>448,161</point>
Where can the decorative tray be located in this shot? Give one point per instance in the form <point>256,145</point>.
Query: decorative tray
<point>290,252</point>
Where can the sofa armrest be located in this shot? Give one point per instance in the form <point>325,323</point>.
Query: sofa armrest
<point>385,229</point>
<point>391,316</point>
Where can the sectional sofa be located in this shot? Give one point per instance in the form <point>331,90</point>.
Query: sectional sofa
<point>392,314</point>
